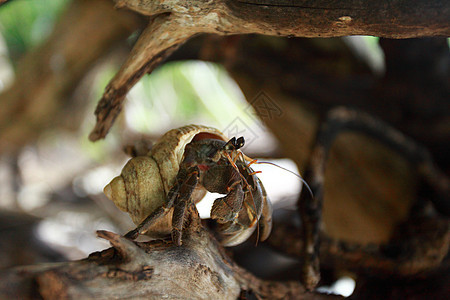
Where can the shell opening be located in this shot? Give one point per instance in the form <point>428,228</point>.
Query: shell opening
<point>206,135</point>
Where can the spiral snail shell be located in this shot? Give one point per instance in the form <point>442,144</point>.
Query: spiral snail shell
<point>146,180</point>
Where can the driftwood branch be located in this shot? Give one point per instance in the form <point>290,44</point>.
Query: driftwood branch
<point>419,247</point>
<point>199,269</point>
<point>340,120</point>
<point>174,22</point>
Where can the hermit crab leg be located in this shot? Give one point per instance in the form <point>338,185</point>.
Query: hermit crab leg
<point>228,207</point>
<point>149,221</point>
<point>182,198</point>
<point>244,180</point>
<point>185,189</point>
<point>233,145</point>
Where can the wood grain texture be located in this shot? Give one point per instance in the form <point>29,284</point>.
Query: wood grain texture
<point>326,18</point>
<point>152,270</point>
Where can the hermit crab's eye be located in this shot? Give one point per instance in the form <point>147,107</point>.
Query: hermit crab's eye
<point>234,144</point>
<point>240,143</point>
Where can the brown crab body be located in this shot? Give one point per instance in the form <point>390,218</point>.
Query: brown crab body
<point>146,181</point>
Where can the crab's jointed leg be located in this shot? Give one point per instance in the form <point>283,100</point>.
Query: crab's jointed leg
<point>224,180</point>
<point>181,192</point>
<point>182,196</point>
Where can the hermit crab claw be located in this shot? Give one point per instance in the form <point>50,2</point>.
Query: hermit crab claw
<point>250,216</point>
<point>238,238</point>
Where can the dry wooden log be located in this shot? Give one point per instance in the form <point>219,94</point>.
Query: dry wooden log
<point>418,247</point>
<point>199,269</point>
<point>413,265</point>
<point>340,120</point>
<point>175,21</point>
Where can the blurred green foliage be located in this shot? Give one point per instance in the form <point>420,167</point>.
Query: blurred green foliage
<point>183,92</point>
<point>175,94</point>
<point>26,23</point>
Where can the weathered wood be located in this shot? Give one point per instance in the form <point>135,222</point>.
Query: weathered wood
<point>329,18</point>
<point>173,22</point>
<point>413,265</point>
<point>340,120</point>
<point>198,269</point>
<point>419,247</point>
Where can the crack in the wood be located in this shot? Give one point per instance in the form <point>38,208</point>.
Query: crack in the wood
<point>290,4</point>
<point>293,4</point>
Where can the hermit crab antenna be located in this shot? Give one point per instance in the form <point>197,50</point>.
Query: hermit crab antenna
<point>255,161</point>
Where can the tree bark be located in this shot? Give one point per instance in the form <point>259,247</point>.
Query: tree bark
<point>330,18</point>
<point>199,269</point>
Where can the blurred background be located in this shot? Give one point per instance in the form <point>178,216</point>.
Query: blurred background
<point>56,177</point>
<point>56,57</point>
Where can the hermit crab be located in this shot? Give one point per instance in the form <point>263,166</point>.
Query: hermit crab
<point>156,188</point>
